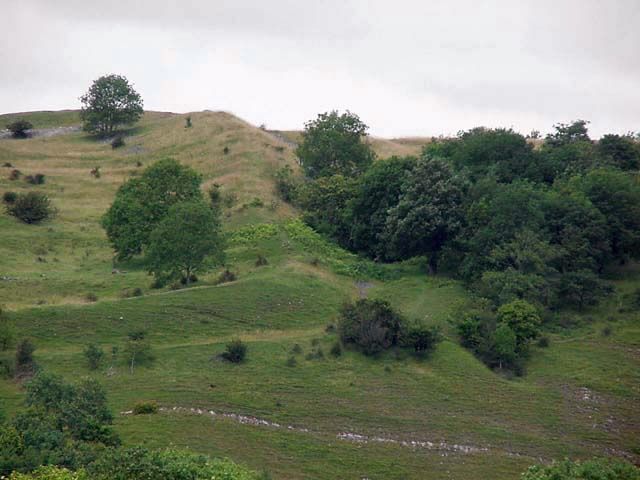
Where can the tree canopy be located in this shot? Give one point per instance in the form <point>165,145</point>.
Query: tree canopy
<point>109,103</point>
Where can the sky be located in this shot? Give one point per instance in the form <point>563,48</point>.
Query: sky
<point>426,67</point>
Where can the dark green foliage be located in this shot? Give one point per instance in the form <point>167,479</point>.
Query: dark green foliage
<point>523,319</point>
<point>567,133</point>
<point>235,351</point>
<point>117,142</point>
<point>336,349</point>
<point>37,179</point>
<point>419,337</point>
<point>261,261</point>
<point>378,190</point>
<point>142,203</point>
<point>370,325</point>
<point>325,203</point>
<point>19,128</point>
<point>225,150</point>
<point>227,276</point>
<point>24,356</point>
<point>9,197</point>
<point>286,184</point>
<point>428,214</point>
<point>332,144</point>
<point>543,342</point>
<point>187,122</point>
<point>31,207</point>
<point>187,240</point>
<point>215,196</point>
<point>139,463</point>
<point>582,288</point>
<point>621,151</point>
<point>595,469</point>
<point>110,102</point>
<point>94,355</point>
<point>145,407</point>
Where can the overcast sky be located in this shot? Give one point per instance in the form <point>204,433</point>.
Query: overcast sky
<point>406,67</point>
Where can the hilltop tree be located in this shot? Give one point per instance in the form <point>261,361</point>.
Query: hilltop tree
<point>333,144</point>
<point>142,203</point>
<point>621,151</point>
<point>110,102</point>
<point>19,128</point>
<point>184,240</point>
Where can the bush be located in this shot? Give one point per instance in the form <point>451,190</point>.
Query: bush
<point>95,172</point>
<point>9,197</point>
<point>19,128</point>
<point>261,261</point>
<point>145,407</point>
<point>94,356</point>
<point>235,351</point>
<point>336,349</point>
<point>24,357</point>
<point>7,165</point>
<point>187,122</point>
<point>421,338</point>
<point>291,361</point>
<point>91,297</point>
<point>37,179</point>
<point>297,349</point>
<point>607,331</point>
<point>286,184</point>
<point>6,334</point>
<point>256,202</point>
<point>371,325</point>
<point>192,278</point>
<point>544,342</point>
<point>596,469</point>
<point>31,207</point>
<point>117,142</point>
<point>225,150</point>
<point>15,174</point>
<point>227,276</point>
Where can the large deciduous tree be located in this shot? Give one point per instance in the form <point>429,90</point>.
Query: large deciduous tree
<point>333,144</point>
<point>141,203</point>
<point>183,241</point>
<point>110,102</point>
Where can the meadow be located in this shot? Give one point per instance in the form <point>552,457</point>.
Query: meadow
<point>319,416</point>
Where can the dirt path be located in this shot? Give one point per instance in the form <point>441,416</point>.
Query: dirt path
<point>444,448</point>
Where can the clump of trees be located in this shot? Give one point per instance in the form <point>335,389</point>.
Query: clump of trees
<point>110,102</point>
<point>373,326</point>
<point>163,214</point>
<point>515,223</point>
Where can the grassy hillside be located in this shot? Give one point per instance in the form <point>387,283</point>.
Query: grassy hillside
<point>320,417</point>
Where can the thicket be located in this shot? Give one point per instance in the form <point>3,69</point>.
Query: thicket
<point>515,223</point>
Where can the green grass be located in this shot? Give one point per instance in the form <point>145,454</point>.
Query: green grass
<point>449,396</point>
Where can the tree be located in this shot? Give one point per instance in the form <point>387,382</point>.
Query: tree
<point>582,288</point>
<point>566,133</point>
<point>522,318</point>
<point>505,345</point>
<point>141,204</point>
<point>138,349</point>
<point>617,196</point>
<point>31,207</point>
<point>19,128</point>
<point>620,151</point>
<point>110,102</point>
<point>183,240</point>
<point>428,214</point>
<point>94,356</point>
<point>333,144</point>
<point>325,202</point>
<point>377,191</point>
<point>24,355</point>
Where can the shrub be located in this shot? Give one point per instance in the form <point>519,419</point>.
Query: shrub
<point>291,361</point>
<point>187,122</point>
<point>261,261</point>
<point>297,349</point>
<point>15,174</point>
<point>91,297</point>
<point>256,202</point>
<point>225,150</point>
<point>192,278</point>
<point>7,165</point>
<point>117,142</point>
<point>286,184</point>
<point>37,179</point>
<point>9,197</point>
<point>31,207</point>
<point>607,331</point>
<point>421,338</point>
<point>595,469</point>
<point>95,172</point>
<point>6,334</point>
<point>19,128</point>
<point>132,292</point>
<point>145,407</point>
<point>227,276</point>
<point>94,356</point>
<point>543,342</point>
<point>336,349</point>
<point>215,195</point>
<point>235,351</point>
<point>371,325</point>
<point>24,356</point>
<point>229,199</point>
